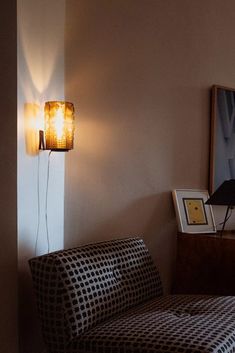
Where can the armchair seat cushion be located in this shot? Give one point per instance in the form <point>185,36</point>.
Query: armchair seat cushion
<point>180,324</point>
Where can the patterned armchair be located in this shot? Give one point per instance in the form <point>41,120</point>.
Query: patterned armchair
<point>107,297</point>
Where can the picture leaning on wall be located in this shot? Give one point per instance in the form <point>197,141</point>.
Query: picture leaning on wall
<point>192,214</point>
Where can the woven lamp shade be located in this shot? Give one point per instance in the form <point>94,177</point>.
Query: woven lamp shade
<point>59,125</point>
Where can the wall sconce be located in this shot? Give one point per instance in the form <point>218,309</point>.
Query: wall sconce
<point>59,127</point>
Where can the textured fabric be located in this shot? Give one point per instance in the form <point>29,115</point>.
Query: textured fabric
<point>180,324</point>
<point>79,288</point>
<point>106,298</point>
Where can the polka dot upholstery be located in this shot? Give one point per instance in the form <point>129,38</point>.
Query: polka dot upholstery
<point>79,288</point>
<point>179,324</point>
<point>107,298</point>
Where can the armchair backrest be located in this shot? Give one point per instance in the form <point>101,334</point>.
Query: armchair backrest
<point>81,287</point>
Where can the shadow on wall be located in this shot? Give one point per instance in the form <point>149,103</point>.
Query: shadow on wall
<point>151,217</point>
<point>29,325</point>
<point>160,237</point>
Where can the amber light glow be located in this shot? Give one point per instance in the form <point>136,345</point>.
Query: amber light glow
<point>59,125</point>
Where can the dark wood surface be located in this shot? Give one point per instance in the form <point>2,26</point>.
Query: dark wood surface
<point>205,264</point>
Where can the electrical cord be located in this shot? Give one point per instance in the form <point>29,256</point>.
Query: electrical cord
<point>46,203</point>
<point>38,204</point>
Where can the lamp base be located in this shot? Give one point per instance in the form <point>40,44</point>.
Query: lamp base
<point>225,220</point>
<point>41,140</point>
<point>42,145</point>
<point>58,150</point>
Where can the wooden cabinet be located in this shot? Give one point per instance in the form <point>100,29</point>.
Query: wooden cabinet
<point>205,264</point>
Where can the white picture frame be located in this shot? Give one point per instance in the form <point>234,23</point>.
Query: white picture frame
<point>192,214</point>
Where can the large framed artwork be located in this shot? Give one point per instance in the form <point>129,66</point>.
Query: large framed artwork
<point>222,150</point>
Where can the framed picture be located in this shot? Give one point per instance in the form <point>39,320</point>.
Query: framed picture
<point>222,145</point>
<point>193,215</point>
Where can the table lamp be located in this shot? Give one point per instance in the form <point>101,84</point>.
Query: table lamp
<point>224,195</point>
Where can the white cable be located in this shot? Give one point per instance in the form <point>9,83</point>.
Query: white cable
<point>46,214</point>
<point>38,204</point>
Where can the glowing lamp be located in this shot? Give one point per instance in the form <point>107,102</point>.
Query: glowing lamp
<point>59,126</point>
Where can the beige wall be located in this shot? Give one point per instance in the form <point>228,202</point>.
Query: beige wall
<point>8,231</point>
<point>139,73</point>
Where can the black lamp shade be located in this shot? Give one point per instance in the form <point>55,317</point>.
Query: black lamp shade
<point>224,195</point>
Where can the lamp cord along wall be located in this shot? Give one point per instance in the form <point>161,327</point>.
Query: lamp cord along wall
<point>46,204</point>
<point>38,206</point>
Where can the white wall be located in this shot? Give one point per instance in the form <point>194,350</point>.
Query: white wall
<point>8,182</point>
<point>40,78</point>
<point>139,73</point>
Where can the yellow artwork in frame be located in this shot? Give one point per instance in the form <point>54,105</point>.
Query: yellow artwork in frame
<point>195,211</point>
<point>193,215</point>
